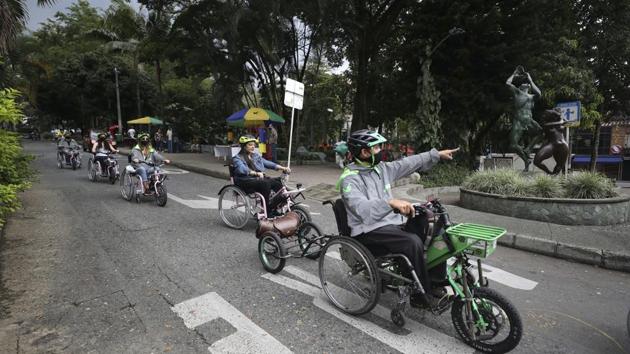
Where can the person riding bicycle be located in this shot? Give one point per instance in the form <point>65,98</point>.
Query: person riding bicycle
<point>100,149</point>
<point>142,156</point>
<point>365,187</point>
<point>249,168</point>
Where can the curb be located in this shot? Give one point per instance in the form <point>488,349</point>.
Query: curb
<point>581,254</point>
<point>593,256</point>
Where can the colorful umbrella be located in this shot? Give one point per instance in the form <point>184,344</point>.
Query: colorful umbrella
<point>253,117</point>
<point>146,120</point>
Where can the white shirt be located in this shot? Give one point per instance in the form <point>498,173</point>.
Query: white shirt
<point>169,134</point>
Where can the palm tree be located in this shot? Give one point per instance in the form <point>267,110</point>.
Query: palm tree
<point>13,16</point>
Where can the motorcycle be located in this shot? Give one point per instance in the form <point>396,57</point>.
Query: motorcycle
<point>69,157</point>
<point>110,169</point>
<point>131,184</point>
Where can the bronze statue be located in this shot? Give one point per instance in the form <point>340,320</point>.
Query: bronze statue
<point>555,145</point>
<point>523,121</point>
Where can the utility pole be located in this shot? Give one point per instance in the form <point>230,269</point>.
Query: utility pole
<point>120,127</point>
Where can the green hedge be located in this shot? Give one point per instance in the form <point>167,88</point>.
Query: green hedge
<point>444,174</point>
<point>578,185</point>
<point>14,164</point>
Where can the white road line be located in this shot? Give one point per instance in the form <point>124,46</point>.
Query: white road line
<point>421,338</point>
<point>174,171</point>
<point>248,338</point>
<point>196,203</point>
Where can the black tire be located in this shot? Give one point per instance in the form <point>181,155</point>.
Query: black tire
<point>74,164</point>
<point>305,215</point>
<point>398,318</point>
<point>161,197</point>
<point>508,312</point>
<point>271,252</point>
<point>356,271</point>
<point>127,187</point>
<point>60,161</point>
<point>91,171</point>
<point>234,207</point>
<point>629,323</point>
<point>307,232</point>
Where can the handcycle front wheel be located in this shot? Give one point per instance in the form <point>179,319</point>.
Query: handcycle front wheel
<point>234,207</point>
<point>349,276</point>
<point>271,252</point>
<point>504,326</point>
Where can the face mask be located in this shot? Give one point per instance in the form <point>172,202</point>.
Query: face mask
<point>376,158</point>
<point>144,143</point>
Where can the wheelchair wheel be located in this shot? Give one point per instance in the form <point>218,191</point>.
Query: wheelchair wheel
<point>234,207</point>
<point>271,252</point>
<point>161,196</point>
<point>304,214</point>
<point>91,170</point>
<point>310,232</point>
<point>349,276</point>
<point>127,186</point>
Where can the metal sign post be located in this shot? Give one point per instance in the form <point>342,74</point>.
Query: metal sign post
<point>294,98</point>
<point>571,113</point>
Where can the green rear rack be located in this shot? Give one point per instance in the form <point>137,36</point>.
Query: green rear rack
<point>481,240</point>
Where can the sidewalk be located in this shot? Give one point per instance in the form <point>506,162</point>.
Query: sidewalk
<point>604,246</point>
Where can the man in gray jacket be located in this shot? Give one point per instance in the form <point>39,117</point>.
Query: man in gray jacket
<point>365,187</point>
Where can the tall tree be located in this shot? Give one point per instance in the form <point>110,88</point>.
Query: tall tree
<point>13,16</point>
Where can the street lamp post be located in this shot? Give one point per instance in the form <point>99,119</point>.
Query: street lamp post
<point>120,128</point>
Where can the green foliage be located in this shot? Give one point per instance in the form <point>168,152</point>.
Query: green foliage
<point>14,165</point>
<point>444,174</point>
<point>581,185</point>
<point>10,112</point>
<point>501,181</point>
<point>545,186</point>
<point>588,185</point>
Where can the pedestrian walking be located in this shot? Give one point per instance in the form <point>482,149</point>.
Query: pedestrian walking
<point>272,140</point>
<point>169,139</point>
<point>157,137</point>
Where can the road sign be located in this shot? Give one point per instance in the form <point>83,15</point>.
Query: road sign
<point>571,112</point>
<point>294,94</point>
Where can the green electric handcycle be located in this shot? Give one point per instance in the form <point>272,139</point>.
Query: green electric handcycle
<point>353,279</point>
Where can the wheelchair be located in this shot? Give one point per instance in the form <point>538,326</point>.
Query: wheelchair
<point>353,279</point>
<point>237,207</point>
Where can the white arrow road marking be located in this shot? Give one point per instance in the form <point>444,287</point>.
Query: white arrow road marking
<point>205,203</point>
<point>248,338</point>
<point>421,336</point>
<point>504,277</point>
<point>174,171</point>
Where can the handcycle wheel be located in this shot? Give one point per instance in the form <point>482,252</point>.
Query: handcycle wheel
<point>398,318</point>
<point>234,207</point>
<point>504,330</point>
<point>127,187</point>
<point>91,170</point>
<point>271,252</point>
<point>59,161</point>
<point>349,276</point>
<point>305,215</point>
<point>309,232</point>
<point>161,197</point>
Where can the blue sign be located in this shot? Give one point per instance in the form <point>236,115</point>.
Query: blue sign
<point>571,111</point>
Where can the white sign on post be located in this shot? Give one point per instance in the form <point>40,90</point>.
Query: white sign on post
<point>570,112</point>
<point>294,98</point>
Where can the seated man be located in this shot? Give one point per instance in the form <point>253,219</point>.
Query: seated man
<point>365,187</point>
<point>66,144</point>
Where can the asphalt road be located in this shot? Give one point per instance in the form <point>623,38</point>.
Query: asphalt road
<point>83,270</point>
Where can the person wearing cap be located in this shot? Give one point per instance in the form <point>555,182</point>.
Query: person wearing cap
<point>249,168</point>
<point>365,187</point>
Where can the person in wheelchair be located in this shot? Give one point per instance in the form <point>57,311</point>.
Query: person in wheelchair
<point>100,149</point>
<point>66,144</point>
<point>143,157</point>
<point>249,168</point>
<point>365,187</point>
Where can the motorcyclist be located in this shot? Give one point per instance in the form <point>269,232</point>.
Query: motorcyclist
<point>249,168</point>
<point>142,155</point>
<point>66,144</point>
<point>101,148</point>
<point>365,187</point>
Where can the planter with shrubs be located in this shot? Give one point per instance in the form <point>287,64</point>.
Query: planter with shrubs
<point>582,198</point>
